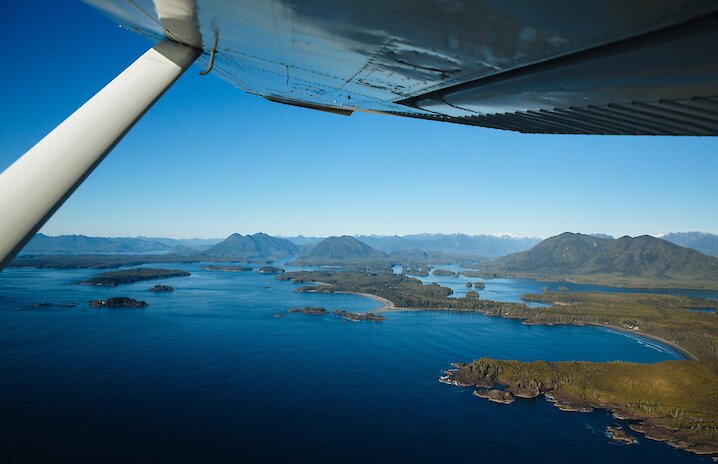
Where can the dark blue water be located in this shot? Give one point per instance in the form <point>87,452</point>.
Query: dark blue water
<point>207,374</point>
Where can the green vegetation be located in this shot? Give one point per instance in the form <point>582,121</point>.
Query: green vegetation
<point>161,288</point>
<point>227,268</point>
<point>128,276</point>
<point>344,250</point>
<point>416,272</point>
<point>310,310</point>
<point>665,316</point>
<point>444,273</point>
<point>356,317</point>
<point>640,262</point>
<point>472,273</point>
<point>270,270</point>
<point>253,246</point>
<point>674,400</point>
<point>421,270</point>
<point>117,302</point>
<point>403,291</point>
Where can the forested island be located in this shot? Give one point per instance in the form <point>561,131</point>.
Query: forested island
<point>117,302</point>
<point>349,316</point>
<point>270,270</point>
<point>227,268</point>
<point>128,276</point>
<point>443,273</point>
<point>162,288</point>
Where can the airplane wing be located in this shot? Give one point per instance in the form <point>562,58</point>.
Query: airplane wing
<point>554,66</point>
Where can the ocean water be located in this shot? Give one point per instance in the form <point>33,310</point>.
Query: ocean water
<point>207,374</point>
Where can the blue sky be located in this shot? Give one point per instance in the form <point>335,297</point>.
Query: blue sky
<point>209,160</point>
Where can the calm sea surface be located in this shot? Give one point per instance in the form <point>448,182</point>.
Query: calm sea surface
<point>207,374</point>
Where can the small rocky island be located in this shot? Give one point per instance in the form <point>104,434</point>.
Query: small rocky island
<point>346,315</point>
<point>270,270</point>
<point>227,268</point>
<point>117,302</point>
<point>358,316</point>
<point>162,288</point>
<point>618,434</point>
<point>48,304</point>
<point>418,271</point>
<point>128,276</point>
<point>310,310</point>
<point>472,273</point>
<point>444,273</point>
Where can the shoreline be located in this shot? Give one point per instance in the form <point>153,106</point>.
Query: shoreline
<point>679,349</point>
<point>389,306</point>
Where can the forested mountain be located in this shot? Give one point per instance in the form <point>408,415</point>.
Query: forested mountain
<point>253,246</point>
<point>571,254</point>
<point>342,249</point>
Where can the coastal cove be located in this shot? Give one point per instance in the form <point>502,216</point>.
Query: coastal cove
<point>212,361</point>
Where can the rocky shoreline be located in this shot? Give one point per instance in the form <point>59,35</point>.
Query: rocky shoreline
<point>647,426</point>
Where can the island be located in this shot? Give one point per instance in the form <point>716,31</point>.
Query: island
<point>128,276</point>
<point>117,302</point>
<point>48,304</point>
<point>310,310</point>
<point>270,270</point>
<point>469,284</point>
<point>472,273</point>
<point>420,271</point>
<point>358,316</point>
<point>444,273</point>
<point>227,268</point>
<point>621,436</point>
<point>162,288</point>
<point>479,285</point>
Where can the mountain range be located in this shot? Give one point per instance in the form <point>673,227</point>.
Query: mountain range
<point>80,244</point>
<point>701,241</point>
<point>579,255</point>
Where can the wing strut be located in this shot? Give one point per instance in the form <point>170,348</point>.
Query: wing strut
<point>37,184</point>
